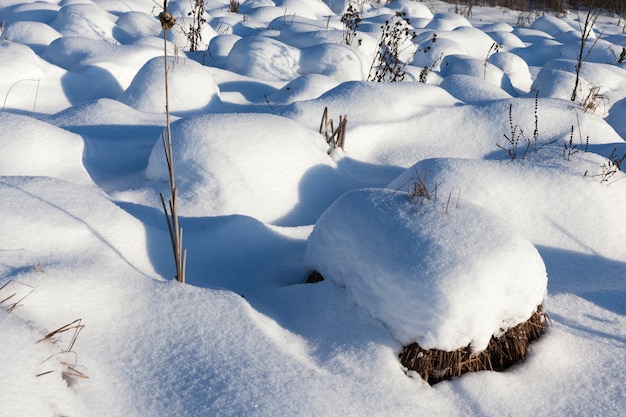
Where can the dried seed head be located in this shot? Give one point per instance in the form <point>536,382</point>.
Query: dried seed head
<point>167,20</point>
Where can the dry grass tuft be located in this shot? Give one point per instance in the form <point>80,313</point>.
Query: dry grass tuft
<point>13,293</point>
<point>502,352</point>
<point>67,357</point>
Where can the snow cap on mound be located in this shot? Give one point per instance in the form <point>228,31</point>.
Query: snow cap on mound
<point>253,164</point>
<point>191,87</point>
<point>443,280</point>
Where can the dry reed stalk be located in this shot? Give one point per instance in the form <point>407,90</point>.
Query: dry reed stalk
<point>171,215</point>
<point>337,137</point>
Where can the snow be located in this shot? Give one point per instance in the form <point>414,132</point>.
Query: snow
<point>264,199</point>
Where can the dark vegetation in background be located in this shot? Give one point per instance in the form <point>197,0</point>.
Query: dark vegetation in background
<point>613,6</point>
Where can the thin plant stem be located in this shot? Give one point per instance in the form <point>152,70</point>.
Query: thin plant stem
<point>171,215</point>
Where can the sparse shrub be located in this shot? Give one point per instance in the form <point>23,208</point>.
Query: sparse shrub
<point>425,72</point>
<point>12,294</point>
<point>6,96</point>
<point>517,144</point>
<point>612,165</point>
<point>233,6</point>
<point>194,35</point>
<point>514,140</point>
<point>395,38</point>
<point>464,11</point>
<point>350,19</point>
<point>570,148</point>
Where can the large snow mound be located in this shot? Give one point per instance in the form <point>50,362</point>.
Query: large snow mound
<point>442,276</point>
<point>264,166</point>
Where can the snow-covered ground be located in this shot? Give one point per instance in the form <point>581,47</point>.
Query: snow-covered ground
<point>83,236</point>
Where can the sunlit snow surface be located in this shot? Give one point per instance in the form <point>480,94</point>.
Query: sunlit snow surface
<point>83,235</point>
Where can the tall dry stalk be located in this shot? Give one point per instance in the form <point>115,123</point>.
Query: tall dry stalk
<point>585,32</point>
<point>171,213</point>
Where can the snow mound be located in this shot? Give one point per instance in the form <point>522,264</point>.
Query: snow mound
<point>340,62</point>
<point>411,8</point>
<point>305,87</point>
<point>471,89</point>
<point>264,58</point>
<point>443,280</point>
<point>355,98</point>
<point>461,64</point>
<point>138,24</point>
<point>85,20</point>
<point>55,229</point>
<point>515,68</point>
<point>252,164</point>
<point>28,79</point>
<point>36,35</point>
<point>557,79</point>
<point>546,197</point>
<point>447,22</point>
<point>24,153</point>
<point>191,87</point>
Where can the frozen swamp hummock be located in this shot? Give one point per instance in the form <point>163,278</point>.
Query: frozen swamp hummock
<point>444,273</point>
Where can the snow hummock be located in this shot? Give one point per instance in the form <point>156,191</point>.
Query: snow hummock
<point>258,165</point>
<point>444,275</point>
<point>146,92</point>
